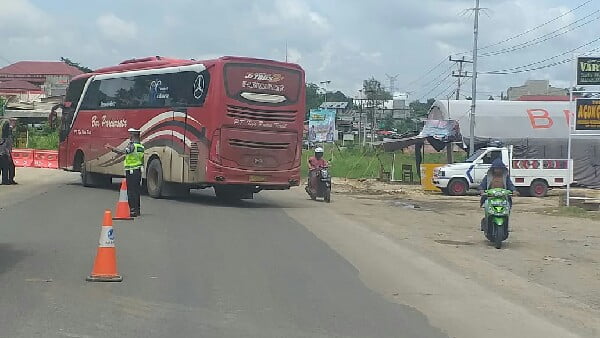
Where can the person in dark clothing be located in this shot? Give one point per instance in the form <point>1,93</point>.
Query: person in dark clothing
<point>10,163</point>
<point>497,177</point>
<point>134,161</point>
<point>4,172</point>
<point>7,166</point>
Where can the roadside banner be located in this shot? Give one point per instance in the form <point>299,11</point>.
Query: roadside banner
<point>588,114</point>
<point>588,71</point>
<point>321,125</point>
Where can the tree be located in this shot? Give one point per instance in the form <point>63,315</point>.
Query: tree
<point>76,65</point>
<point>313,97</point>
<point>373,90</point>
<point>338,96</point>
<point>420,109</point>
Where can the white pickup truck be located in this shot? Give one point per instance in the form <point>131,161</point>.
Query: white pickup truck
<point>532,177</point>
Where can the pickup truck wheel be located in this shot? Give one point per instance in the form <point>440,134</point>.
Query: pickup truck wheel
<point>538,188</point>
<point>444,191</point>
<point>458,187</point>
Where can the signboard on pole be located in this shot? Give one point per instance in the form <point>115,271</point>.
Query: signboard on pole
<point>588,71</point>
<point>588,114</point>
<point>321,125</point>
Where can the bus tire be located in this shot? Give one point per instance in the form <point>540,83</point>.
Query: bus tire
<point>89,179</point>
<point>538,188</point>
<point>154,178</point>
<point>523,191</point>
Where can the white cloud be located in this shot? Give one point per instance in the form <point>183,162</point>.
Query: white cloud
<point>116,29</point>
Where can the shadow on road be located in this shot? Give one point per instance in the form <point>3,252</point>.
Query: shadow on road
<point>207,197</point>
<point>10,256</point>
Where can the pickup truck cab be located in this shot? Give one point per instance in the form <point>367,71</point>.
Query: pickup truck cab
<point>532,177</point>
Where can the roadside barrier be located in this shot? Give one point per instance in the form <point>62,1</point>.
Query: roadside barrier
<point>45,159</point>
<point>23,157</point>
<point>33,158</point>
<point>123,212</point>
<point>105,264</point>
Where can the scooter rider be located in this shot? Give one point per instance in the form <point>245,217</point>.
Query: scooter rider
<point>497,177</point>
<point>314,163</point>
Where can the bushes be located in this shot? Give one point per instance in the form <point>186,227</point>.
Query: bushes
<point>359,162</point>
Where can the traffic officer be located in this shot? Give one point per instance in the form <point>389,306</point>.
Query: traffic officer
<point>134,161</point>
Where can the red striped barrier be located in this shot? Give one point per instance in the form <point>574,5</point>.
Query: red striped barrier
<point>22,157</point>
<point>45,159</point>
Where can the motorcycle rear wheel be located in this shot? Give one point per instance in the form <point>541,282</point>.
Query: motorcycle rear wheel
<point>327,196</point>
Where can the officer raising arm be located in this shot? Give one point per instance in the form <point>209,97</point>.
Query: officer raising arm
<point>134,161</point>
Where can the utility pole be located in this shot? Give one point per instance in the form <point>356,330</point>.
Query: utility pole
<point>474,80</point>
<point>325,83</point>
<point>459,75</point>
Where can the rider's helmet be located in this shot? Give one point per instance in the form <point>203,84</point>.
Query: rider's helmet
<point>318,152</point>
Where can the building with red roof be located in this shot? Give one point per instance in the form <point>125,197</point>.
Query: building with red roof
<point>44,78</point>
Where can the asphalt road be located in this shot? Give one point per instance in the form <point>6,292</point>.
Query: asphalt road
<point>192,268</point>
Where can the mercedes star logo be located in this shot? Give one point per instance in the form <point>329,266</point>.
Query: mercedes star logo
<point>199,87</point>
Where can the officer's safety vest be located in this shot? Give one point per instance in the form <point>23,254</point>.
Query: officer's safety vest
<point>135,160</point>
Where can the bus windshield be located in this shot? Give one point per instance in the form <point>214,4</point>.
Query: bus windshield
<point>262,84</point>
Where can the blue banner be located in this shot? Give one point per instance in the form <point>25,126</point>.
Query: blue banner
<point>321,125</point>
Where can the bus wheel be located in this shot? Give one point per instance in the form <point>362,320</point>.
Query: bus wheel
<point>89,179</point>
<point>154,179</point>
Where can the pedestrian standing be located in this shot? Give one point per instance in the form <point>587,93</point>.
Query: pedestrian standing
<point>3,162</point>
<point>9,160</point>
<point>134,161</point>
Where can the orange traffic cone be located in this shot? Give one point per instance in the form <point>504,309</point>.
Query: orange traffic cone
<point>105,264</point>
<point>123,211</point>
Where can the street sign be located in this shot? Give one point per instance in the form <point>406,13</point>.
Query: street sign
<point>588,114</point>
<point>588,71</point>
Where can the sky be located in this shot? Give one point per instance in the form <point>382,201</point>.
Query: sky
<point>343,42</point>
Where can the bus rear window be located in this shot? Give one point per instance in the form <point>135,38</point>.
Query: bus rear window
<point>262,84</point>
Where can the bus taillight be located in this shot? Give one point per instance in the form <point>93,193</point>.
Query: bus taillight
<point>215,147</point>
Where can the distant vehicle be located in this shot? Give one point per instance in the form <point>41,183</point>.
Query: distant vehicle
<point>532,177</point>
<point>232,123</point>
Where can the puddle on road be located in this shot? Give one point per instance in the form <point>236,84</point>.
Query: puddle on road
<point>451,242</point>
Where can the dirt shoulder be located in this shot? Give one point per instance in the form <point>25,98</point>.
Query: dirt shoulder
<point>550,263</point>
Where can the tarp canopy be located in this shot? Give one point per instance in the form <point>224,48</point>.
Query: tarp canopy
<point>537,129</point>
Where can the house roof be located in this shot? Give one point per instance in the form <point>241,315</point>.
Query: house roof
<point>40,68</point>
<point>18,84</point>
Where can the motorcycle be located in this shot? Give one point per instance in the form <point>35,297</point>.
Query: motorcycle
<point>497,213</point>
<point>323,185</point>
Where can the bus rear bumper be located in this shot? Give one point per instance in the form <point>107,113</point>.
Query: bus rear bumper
<point>265,179</point>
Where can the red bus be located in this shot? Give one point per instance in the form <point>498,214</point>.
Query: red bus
<point>233,123</point>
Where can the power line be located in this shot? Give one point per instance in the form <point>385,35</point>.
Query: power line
<point>435,87</point>
<point>551,35</point>
<point>426,73</point>
<point>510,70</point>
<point>531,29</point>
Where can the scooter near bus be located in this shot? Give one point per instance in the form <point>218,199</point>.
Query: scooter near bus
<point>497,213</point>
<point>322,189</point>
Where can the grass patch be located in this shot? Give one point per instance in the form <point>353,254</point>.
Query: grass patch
<point>358,162</point>
<point>572,212</point>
